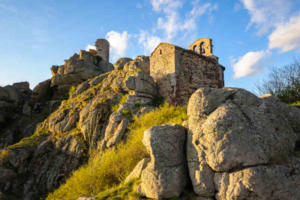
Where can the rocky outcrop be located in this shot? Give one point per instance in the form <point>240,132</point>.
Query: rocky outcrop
<point>60,145</point>
<point>165,175</point>
<point>15,113</point>
<point>242,147</point>
<point>142,90</point>
<point>121,62</point>
<point>38,164</point>
<point>140,62</point>
<point>75,70</point>
<point>42,91</point>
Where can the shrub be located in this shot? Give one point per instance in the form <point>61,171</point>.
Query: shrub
<point>283,82</point>
<point>122,192</point>
<point>157,101</point>
<point>111,167</point>
<point>4,153</point>
<point>126,113</point>
<point>72,90</point>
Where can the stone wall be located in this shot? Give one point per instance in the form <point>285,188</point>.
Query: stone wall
<point>162,69</point>
<point>194,71</point>
<point>179,72</point>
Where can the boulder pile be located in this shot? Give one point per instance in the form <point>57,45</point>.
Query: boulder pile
<point>238,147</point>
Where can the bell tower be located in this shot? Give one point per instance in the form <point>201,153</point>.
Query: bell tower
<point>202,46</point>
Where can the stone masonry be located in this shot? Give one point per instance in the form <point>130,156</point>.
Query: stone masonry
<point>179,72</point>
<point>202,46</point>
<point>102,47</point>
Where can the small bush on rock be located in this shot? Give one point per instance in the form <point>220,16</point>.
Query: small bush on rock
<point>72,90</point>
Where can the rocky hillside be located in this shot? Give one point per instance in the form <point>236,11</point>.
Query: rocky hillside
<point>96,131</point>
<point>91,118</point>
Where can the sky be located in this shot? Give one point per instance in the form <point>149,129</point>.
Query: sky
<point>249,36</point>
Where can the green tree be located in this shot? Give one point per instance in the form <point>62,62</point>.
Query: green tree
<point>283,82</point>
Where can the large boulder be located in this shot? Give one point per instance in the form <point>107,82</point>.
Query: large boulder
<point>231,130</point>
<point>140,62</point>
<point>261,182</point>
<point>165,175</point>
<point>142,84</point>
<point>119,64</point>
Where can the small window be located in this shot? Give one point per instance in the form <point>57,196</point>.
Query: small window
<point>195,49</point>
<point>202,48</point>
<point>160,51</point>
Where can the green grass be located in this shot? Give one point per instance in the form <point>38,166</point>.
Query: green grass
<point>296,103</point>
<point>110,168</point>
<point>120,192</point>
<point>126,113</point>
<point>72,90</point>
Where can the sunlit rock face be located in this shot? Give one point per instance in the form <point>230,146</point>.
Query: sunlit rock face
<point>240,146</point>
<point>76,70</point>
<point>165,175</point>
<point>86,120</point>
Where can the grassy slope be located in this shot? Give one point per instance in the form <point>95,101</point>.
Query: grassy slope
<point>296,103</point>
<point>105,171</point>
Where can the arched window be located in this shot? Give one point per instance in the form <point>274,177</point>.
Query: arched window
<point>202,48</point>
<point>195,49</point>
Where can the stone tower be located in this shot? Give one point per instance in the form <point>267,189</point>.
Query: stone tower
<point>102,46</point>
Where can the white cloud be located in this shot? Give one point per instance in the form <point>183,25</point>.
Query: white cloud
<point>249,64</point>
<point>88,47</point>
<point>166,5</point>
<point>171,23</point>
<point>149,41</point>
<point>265,14</point>
<point>286,36</point>
<point>118,43</point>
<point>199,10</point>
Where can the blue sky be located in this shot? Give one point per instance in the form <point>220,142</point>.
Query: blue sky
<point>249,36</point>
